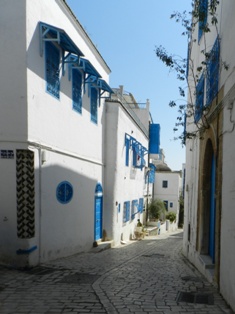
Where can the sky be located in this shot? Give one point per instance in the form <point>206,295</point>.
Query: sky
<point>126,33</point>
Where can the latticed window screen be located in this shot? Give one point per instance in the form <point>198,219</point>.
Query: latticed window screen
<point>77,90</point>
<point>202,11</point>
<point>52,69</point>
<point>199,98</point>
<point>141,205</point>
<point>212,82</point>
<point>25,194</point>
<point>94,107</point>
<point>126,211</point>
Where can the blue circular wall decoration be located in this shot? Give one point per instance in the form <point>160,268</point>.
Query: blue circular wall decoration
<point>64,192</point>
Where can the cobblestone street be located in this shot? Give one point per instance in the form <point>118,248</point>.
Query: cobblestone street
<point>146,276</point>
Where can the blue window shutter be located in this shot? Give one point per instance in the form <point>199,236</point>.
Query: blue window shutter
<point>203,8</point>
<point>154,138</point>
<point>126,211</point>
<point>141,205</point>
<point>199,99</point>
<point>212,82</point>
<point>52,55</point>
<point>77,90</point>
<point>94,105</point>
<point>127,144</point>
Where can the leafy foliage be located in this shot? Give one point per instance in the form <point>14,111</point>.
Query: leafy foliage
<point>185,68</point>
<point>171,216</point>
<point>157,209</point>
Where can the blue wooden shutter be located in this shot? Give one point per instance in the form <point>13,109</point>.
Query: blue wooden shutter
<point>77,90</point>
<point>202,8</point>
<point>199,99</point>
<point>94,106</point>
<point>212,82</point>
<point>154,138</point>
<point>52,69</point>
<point>127,144</point>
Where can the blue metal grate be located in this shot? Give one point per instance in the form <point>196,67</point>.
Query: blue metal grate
<point>199,98</point>
<point>212,83</point>
<point>64,192</point>
<point>202,12</point>
<point>77,90</point>
<point>52,70</point>
<point>94,105</point>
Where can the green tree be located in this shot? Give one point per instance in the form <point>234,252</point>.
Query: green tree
<point>157,209</point>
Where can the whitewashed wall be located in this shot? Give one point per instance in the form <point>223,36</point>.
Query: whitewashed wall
<point>122,183</point>
<point>32,119</point>
<point>226,28</point>
<point>172,192</point>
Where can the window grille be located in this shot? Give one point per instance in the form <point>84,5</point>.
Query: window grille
<point>77,90</point>
<point>94,105</point>
<point>126,211</point>
<point>212,83</point>
<point>202,12</point>
<point>52,69</point>
<point>164,184</point>
<point>199,99</point>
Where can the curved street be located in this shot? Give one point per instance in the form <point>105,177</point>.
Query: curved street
<point>145,276</point>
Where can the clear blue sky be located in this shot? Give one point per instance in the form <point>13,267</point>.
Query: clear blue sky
<point>126,33</point>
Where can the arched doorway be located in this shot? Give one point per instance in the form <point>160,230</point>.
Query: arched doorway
<point>98,211</point>
<point>209,202</point>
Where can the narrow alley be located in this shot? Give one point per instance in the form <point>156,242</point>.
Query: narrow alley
<point>146,276</point>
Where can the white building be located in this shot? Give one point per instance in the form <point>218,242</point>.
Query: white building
<point>127,140</point>
<point>51,133</point>
<point>209,185</point>
<point>168,187</point>
<point>73,164</point>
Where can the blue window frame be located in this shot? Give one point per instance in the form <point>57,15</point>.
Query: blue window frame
<point>94,104</point>
<point>141,205</point>
<point>52,54</point>
<point>202,17</point>
<point>64,192</point>
<point>134,208</point>
<point>127,144</point>
<point>77,90</point>
<point>126,211</point>
<point>212,82</point>
<point>199,98</point>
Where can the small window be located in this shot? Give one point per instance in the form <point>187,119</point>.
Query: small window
<point>171,204</point>
<point>126,211</point>
<point>94,104</point>
<point>164,184</point>
<point>166,204</point>
<point>202,17</point>
<point>77,90</point>
<point>52,54</point>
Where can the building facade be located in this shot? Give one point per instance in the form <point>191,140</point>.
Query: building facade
<point>53,81</point>
<point>209,220</point>
<point>73,158</point>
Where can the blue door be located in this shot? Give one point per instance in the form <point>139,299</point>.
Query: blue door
<point>212,211</point>
<point>98,211</point>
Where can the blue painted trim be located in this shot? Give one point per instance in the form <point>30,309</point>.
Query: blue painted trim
<point>64,192</point>
<point>27,251</point>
